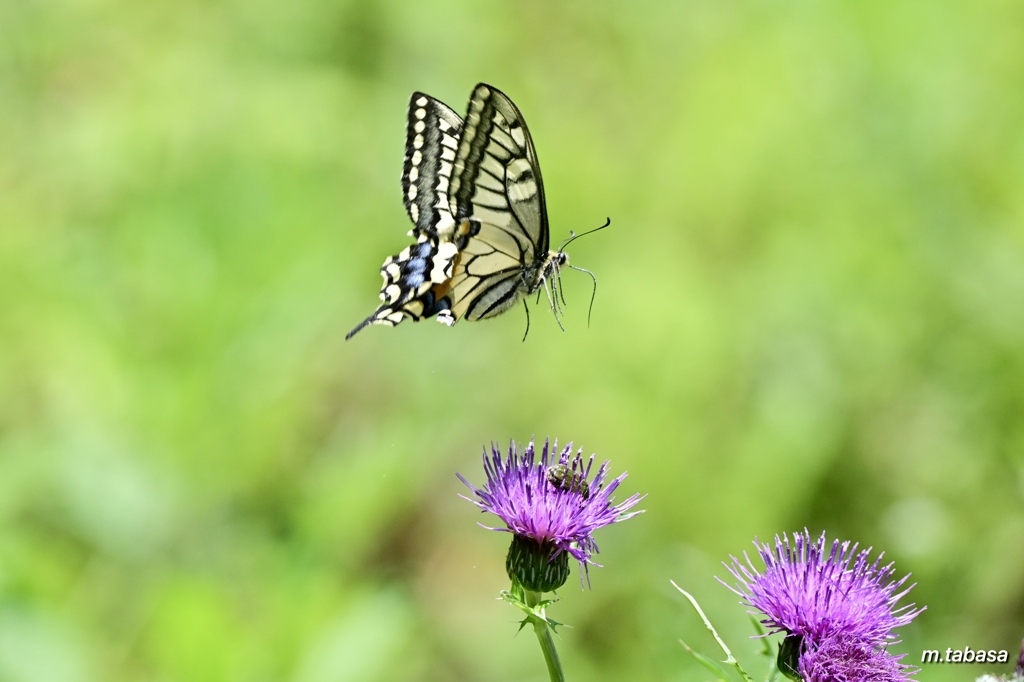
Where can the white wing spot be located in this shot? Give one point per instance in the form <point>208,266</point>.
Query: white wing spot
<point>521,191</point>
<point>518,135</point>
<point>521,184</point>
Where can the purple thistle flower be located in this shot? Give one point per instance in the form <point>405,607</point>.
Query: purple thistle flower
<point>847,660</point>
<point>553,503</point>
<point>819,595</point>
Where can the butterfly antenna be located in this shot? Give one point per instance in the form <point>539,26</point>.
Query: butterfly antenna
<point>593,294</point>
<point>572,235</point>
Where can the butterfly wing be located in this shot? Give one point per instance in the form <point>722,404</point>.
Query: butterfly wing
<point>413,281</point>
<point>411,277</point>
<point>501,219</point>
<point>431,140</point>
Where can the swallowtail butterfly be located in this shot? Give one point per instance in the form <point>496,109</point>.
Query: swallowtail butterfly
<point>474,192</point>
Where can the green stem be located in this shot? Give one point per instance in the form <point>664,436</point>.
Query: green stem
<point>547,643</point>
<point>730,659</point>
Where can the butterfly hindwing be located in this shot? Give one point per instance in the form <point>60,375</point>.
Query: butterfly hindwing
<point>412,280</point>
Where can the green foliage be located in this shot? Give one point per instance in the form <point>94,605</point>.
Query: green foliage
<point>808,314</point>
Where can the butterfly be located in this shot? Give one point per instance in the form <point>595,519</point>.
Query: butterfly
<point>474,192</point>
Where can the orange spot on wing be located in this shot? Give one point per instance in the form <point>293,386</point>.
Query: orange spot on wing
<point>441,290</point>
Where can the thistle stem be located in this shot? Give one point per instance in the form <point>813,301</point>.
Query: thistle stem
<point>547,643</point>
<point>729,658</point>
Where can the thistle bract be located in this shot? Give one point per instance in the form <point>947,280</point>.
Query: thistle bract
<point>537,567</point>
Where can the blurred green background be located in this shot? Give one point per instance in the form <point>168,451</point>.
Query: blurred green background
<point>809,314</point>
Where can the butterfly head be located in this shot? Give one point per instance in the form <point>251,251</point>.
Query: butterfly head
<point>553,264</point>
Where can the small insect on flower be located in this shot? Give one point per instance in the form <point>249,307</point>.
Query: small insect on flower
<point>563,479</point>
<point>552,506</point>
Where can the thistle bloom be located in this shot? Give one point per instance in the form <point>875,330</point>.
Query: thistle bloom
<point>551,506</point>
<point>852,660</point>
<point>837,609</point>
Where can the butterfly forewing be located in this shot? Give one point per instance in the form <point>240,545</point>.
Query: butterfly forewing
<point>431,140</point>
<point>496,180</point>
<point>498,198</point>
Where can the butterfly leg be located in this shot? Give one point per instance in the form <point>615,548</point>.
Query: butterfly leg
<point>527,309</point>
<point>552,294</point>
